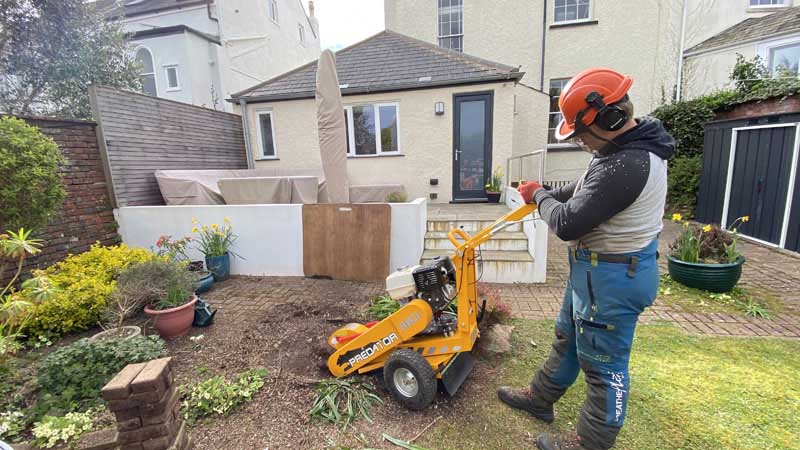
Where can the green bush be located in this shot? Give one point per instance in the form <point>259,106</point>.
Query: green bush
<point>72,376</point>
<point>683,179</point>
<point>31,189</point>
<point>218,396</point>
<point>83,285</point>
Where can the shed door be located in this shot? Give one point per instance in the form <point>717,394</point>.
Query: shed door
<point>759,181</point>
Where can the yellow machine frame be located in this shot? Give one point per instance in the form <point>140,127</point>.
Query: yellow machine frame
<point>370,350</point>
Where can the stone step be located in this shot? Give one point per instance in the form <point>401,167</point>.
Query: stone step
<point>470,226</point>
<point>497,266</point>
<point>504,240</point>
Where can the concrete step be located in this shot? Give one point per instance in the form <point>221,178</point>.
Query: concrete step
<point>504,240</point>
<point>470,226</point>
<point>497,266</point>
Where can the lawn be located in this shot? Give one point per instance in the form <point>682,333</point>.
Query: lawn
<point>688,393</point>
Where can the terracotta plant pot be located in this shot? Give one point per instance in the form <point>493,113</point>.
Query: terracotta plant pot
<point>708,277</point>
<point>494,197</point>
<point>173,322</point>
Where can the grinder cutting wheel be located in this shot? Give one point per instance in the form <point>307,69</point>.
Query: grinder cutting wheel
<point>422,342</point>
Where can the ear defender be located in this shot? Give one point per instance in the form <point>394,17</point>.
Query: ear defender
<point>609,117</point>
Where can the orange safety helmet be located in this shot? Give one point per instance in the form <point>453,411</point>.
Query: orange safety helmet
<point>587,95</point>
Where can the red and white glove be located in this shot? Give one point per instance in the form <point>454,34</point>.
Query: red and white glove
<point>528,189</point>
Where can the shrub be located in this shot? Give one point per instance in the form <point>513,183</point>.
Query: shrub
<point>342,401</point>
<point>683,181</point>
<point>72,376</point>
<point>396,197</point>
<point>84,283</point>
<point>12,424</point>
<point>160,283</point>
<point>31,189</point>
<point>54,430</point>
<point>218,396</point>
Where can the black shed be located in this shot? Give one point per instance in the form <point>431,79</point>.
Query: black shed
<point>750,165</point>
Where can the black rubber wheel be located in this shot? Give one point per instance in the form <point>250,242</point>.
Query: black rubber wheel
<point>410,379</point>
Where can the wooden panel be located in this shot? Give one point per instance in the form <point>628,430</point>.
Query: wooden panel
<point>139,134</point>
<point>347,242</point>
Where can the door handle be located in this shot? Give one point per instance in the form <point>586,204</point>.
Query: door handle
<point>457,151</point>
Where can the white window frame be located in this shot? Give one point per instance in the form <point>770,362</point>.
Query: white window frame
<point>177,77</point>
<point>152,60</point>
<point>561,144</point>
<point>588,18</point>
<point>261,156</point>
<point>764,49</point>
<point>272,6</point>
<point>440,36</point>
<point>302,31</point>
<point>782,4</point>
<point>351,144</point>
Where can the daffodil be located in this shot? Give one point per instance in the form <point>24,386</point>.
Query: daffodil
<point>195,230</point>
<point>214,226</point>
<point>227,220</point>
<point>707,228</point>
<point>746,219</point>
<point>195,221</point>
<point>677,217</point>
<point>686,224</point>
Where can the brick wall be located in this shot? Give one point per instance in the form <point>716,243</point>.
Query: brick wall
<point>86,216</point>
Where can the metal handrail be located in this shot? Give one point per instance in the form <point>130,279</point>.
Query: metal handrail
<point>541,152</point>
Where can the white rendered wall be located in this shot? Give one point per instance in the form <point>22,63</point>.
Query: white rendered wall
<point>536,231</point>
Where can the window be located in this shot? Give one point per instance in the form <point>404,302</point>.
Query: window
<point>172,78</point>
<point>266,135</point>
<point>147,75</point>
<point>784,60</point>
<point>302,32</point>
<point>767,2</point>
<point>571,10</point>
<point>556,86</point>
<point>451,24</point>
<point>372,129</point>
<point>273,10</point>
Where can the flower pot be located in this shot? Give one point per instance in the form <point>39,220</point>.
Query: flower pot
<point>126,332</point>
<point>494,197</point>
<point>204,282</point>
<point>220,266</point>
<point>173,322</point>
<point>708,277</point>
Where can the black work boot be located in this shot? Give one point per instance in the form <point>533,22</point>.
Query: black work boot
<point>566,441</point>
<point>525,400</point>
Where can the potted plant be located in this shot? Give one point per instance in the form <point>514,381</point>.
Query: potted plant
<point>706,257</point>
<point>165,288</point>
<point>494,184</point>
<point>215,243</point>
<point>176,251</point>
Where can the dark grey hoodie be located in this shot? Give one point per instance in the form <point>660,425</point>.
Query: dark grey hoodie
<point>618,204</point>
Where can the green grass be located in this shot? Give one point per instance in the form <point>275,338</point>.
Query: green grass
<point>688,393</point>
<point>749,302</point>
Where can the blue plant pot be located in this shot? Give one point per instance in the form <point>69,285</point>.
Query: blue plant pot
<point>220,266</point>
<point>204,282</point>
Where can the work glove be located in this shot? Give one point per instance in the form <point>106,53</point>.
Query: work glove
<point>527,190</point>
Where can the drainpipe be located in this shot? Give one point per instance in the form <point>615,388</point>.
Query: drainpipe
<point>210,17</point>
<point>679,82</point>
<point>246,130</point>
<point>544,46</point>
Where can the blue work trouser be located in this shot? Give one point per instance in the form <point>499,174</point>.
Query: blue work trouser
<point>594,332</point>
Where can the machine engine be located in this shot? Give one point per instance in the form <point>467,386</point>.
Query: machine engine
<point>435,283</point>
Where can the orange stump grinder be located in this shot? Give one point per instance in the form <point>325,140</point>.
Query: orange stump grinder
<point>423,341</point>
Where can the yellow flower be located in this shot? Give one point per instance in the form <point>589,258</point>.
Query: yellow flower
<point>205,227</point>
<point>195,221</point>
<point>214,226</point>
<point>218,233</point>
<point>686,224</point>
<point>746,219</point>
<point>677,217</point>
<point>227,220</point>
<point>707,228</point>
<point>195,230</point>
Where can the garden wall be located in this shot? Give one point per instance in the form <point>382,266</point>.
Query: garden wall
<point>139,134</point>
<point>270,236</point>
<point>86,216</point>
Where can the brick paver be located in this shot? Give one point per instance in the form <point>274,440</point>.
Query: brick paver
<point>774,271</point>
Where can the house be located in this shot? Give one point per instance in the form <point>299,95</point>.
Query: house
<point>775,38</point>
<point>201,51</point>
<point>432,119</point>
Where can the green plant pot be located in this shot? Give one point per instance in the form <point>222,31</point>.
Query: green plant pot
<point>493,197</point>
<point>708,277</point>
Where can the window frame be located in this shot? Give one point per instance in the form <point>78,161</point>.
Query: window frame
<point>169,88</point>
<point>439,36</point>
<point>782,4</point>
<point>558,144</point>
<point>260,134</point>
<point>302,31</point>
<point>764,50</point>
<point>153,63</point>
<point>272,6</point>
<point>351,141</point>
<point>589,17</point>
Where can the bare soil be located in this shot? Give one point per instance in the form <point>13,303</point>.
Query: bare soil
<point>286,333</point>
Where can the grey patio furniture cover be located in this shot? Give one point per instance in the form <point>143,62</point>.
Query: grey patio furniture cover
<point>373,193</point>
<point>199,187</point>
<point>269,190</point>
<point>331,129</point>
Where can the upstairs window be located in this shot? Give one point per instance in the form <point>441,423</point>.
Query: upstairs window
<point>266,135</point>
<point>556,86</point>
<point>273,10</point>
<point>767,2</point>
<point>571,10</point>
<point>785,60</point>
<point>146,75</point>
<point>302,32</point>
<point>171,73</point>
<point>451,24</point>
<point>372,129</point>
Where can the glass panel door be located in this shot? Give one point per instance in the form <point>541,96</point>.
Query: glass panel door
<point>472,146</point>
